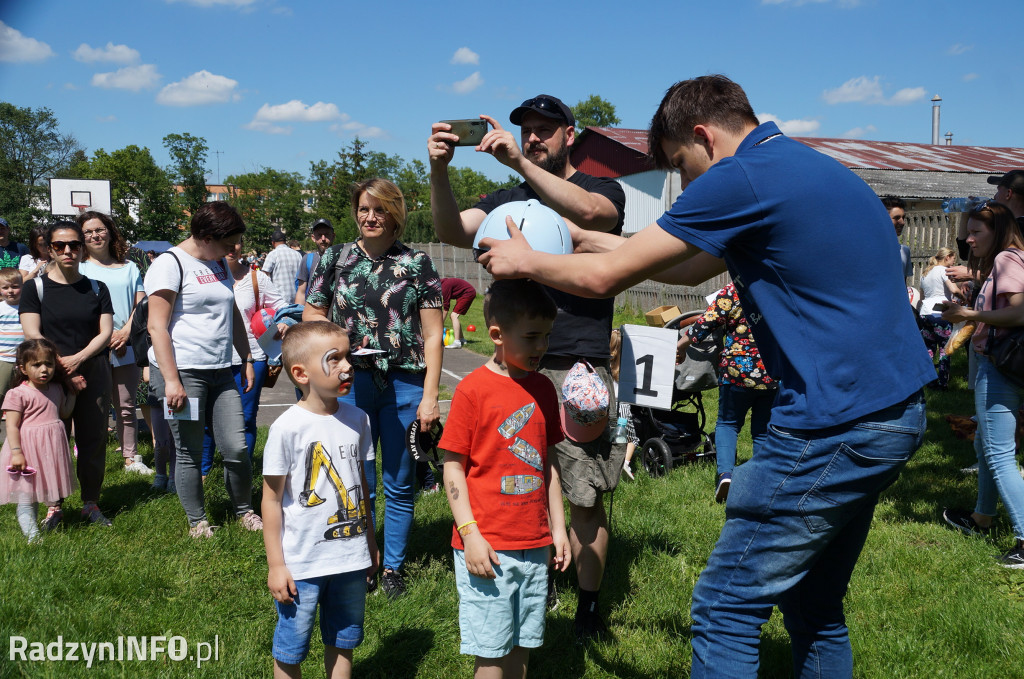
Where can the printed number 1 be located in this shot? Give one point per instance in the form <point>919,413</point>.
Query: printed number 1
<point>648,362</point>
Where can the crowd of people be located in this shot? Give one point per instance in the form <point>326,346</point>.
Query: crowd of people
<point>834,383</point>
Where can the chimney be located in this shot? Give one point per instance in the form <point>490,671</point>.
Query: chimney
<point>949,139</point>
<point>936,102</point>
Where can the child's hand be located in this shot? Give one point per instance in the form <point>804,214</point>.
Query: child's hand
<point>281,585</point>
<point>18,460</point>
<point>563,552</point>
<point>371,541</point>
<point>479,556</point>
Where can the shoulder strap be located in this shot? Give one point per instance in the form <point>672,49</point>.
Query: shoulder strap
<point>93,283</point>
<point>181,271</point>
<point>39,287</point>
<point>255,288</point>
<point>345,251</point>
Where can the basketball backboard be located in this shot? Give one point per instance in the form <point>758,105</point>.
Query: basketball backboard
<point>70,197</point>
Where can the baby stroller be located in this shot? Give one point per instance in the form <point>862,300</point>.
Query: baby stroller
<point>669,438</point>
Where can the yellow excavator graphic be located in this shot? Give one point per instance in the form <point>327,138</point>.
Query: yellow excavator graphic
<point>350,519</point>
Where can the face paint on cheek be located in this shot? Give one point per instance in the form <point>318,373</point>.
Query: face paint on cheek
<point>324,361</point>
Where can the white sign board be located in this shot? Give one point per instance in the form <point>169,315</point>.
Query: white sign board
<point>647,367</point>
<point>70,197</point>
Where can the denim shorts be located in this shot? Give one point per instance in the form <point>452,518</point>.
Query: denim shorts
<point>342,600</point>
<point>495,615</point>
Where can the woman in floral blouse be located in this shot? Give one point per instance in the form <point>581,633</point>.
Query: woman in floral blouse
<point>388,297</point>
<point>744,384</point>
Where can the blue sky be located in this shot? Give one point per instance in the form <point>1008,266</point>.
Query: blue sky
<point>277,84</point>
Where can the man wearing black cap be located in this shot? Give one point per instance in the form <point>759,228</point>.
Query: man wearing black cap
<point>322,233</point>
<point>282,265</point>
<point>583,326</point>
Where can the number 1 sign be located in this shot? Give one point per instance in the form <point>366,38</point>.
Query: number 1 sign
<point>647,367</point>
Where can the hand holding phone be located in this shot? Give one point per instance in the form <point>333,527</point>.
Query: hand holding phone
<point>469,131</point>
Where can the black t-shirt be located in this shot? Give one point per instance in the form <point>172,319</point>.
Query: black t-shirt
<point>70,314</point>
<point>583,325</point>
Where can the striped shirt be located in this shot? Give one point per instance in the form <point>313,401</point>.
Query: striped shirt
<point>11,334</point>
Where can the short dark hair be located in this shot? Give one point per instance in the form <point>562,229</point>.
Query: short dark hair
<point>707,99</point>
<point>217,220</point>
<point>297,340</point>
<point>64,225</point>
<point>893,201</point>
<point>117,246</point>
<point>509,301</point>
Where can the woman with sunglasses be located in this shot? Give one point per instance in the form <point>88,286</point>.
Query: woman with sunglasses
<point>78,317</point>
<point>105,260</point>
<point>997,247</point>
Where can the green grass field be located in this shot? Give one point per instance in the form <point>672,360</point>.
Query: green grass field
<point>924,600</point>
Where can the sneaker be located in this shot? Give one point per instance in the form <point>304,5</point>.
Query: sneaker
<point>552,593</point>
<point>137,466</point>
<point>590,627</point>
<point>454,345</point>
<point>54,515</point>
<point>722,489</point>
<point>203,529</point>
<point>160,482</point>
<point>1013,558</point>
<point>392,583</point>
<point>430,490</point>
<point>171,488</point>
<point>973,469</point>
<point>371,584</point>
<point>962,520</point>
<point>251,521</point>
<point>91,512</point>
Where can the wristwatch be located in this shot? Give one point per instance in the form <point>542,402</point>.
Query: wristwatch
<point>250,360</point>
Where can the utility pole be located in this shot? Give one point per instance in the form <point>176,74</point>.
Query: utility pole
<point>219,153</point>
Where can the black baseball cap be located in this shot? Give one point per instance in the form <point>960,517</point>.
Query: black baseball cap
<point>546,105</point>
<point>1013,180</point>
<point>324,222</point>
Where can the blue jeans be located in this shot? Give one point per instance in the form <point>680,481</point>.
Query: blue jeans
<point>250,406</point>
<point>796,520</point>
<point>733,404</point>
<point>391,412</point>
<point>996,400</point>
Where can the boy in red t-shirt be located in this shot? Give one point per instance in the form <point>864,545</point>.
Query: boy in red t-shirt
<point>503,488</point>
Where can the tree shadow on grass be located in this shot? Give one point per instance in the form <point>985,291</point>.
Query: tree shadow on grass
<point>399,654</point>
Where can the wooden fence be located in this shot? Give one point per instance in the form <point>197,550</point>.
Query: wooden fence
<point>925,232</point>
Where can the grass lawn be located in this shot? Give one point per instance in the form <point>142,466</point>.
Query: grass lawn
<point>924,600</point>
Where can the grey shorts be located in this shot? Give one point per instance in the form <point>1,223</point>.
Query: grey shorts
<point>587,469</point>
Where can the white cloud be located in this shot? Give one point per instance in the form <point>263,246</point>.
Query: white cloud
<point>15,47</point>
<point>464,55</point>
<point>865,90</point>
<point>296,111</point>
<point>199,89</point>
<point>118,54</point>
<point>265,127</point>
<point>858,132</point>
<point>71,86</point>
<point>357,129</point>
<point>798,127</point>
<point>134,78</point>
<point>969,77</point>
<point>469,84</point>
<point>217,3</point>
<point>958,49</point>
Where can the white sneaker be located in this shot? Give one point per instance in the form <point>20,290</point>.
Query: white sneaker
<point>138,467</point>
<point>973,469</point>
<point>454,345</point>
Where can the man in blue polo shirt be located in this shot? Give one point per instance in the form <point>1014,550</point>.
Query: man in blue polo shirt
<point>850,413</point>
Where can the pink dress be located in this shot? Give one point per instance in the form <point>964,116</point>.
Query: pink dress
<point>44,444</point>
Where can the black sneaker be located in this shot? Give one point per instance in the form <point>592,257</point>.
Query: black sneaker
<point>1013,558</point>
<point>722,489</point>
<point>962,520</point>
<point>552,593</point>
<point>590,627</point>
<point>371,584</point>
<point>392,583</point>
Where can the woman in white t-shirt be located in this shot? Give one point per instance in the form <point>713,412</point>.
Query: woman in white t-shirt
<point>936,290</point>
<point>105,260</point>
<point>193,323</point>
<point>38,257</point>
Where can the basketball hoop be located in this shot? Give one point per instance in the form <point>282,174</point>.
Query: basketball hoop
<point>80,208</point>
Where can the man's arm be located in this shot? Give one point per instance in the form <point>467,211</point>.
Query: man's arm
<point>694,271</point>
<point>597,275</point>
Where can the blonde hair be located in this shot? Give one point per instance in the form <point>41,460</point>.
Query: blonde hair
<point>298,341</point>
<point>390,197</point>
<point>936,259</point>
<point>9,274</point>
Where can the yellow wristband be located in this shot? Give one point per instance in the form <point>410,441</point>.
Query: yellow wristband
<point>464,528</point>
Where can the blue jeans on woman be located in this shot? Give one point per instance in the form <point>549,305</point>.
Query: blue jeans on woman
<point>250,406</point>
<point>996,401</point>
<point>796,520</point>
<point>391,412</point>
<point>733,404</point>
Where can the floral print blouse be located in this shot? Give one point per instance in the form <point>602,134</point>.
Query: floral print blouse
<point>380,299</point>
<point>740,364</point>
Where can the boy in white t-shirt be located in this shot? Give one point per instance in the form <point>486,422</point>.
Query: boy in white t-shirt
<point>11,334</point>
<point>316,517</point>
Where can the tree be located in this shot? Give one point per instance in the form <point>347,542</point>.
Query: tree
<point>594,112</point>
<point>268,200</point>
<point>142,196</point>
<point>188,169</point>
<point>32,150</point>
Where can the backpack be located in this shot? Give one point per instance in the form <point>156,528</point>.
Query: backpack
<point>139,337</point>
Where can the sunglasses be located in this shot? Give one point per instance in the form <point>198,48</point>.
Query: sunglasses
<point>61,245</point>
<point>545,104</point>
<point>27,471</point>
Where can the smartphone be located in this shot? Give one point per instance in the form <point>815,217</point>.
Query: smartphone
<point>470,132</point>
<point>940,306</point>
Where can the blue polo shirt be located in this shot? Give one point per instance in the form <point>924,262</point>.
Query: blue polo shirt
<point>795,228</point>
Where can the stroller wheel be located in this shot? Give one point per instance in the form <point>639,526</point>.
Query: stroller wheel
<point>657,457</point>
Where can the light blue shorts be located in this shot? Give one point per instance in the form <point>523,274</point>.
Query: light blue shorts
<point>495,615</point>
<point>342,600</point>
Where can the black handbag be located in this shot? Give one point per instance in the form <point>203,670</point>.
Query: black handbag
<point>1006,352</point>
